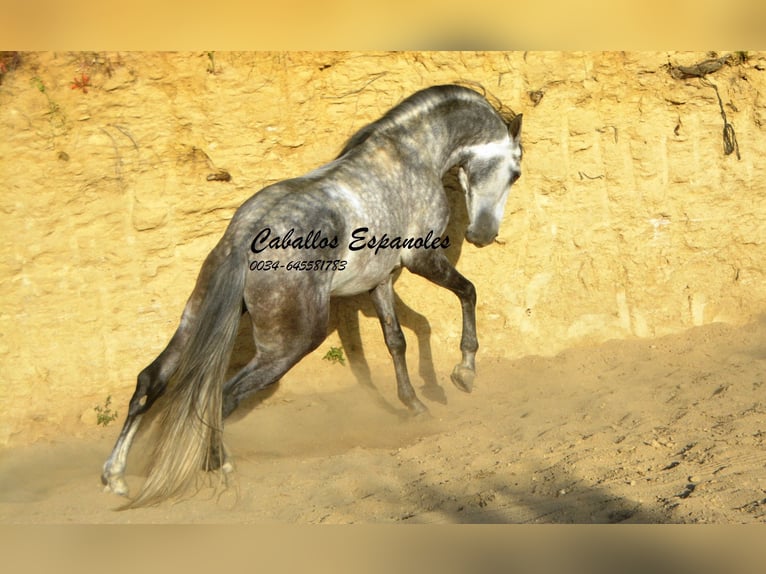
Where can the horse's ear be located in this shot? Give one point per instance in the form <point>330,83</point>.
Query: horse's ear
<point>514,128</point>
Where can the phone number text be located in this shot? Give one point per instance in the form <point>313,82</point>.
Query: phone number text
<point>315,265</point>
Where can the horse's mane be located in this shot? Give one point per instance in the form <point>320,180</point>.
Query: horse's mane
<point>424,101</point>
<point>505,112</point>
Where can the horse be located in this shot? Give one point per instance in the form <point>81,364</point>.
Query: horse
<point>343,229</point>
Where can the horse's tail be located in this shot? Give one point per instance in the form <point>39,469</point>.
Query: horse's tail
<point>191,426</point>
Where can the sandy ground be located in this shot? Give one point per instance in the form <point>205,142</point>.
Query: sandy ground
<point>669,430</point>
<point>641,431</point>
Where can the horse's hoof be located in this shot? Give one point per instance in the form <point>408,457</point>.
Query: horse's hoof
<point>462,377</point>
<point>418,409</point>
<point>216,463</point>
<point>115,485</point>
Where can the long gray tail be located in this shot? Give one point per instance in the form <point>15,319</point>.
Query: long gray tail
<point>191,427</point>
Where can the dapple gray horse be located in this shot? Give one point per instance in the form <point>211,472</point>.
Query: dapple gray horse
<point>343,229</point>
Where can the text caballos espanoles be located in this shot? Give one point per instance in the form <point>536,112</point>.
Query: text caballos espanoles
<point>360,239</point>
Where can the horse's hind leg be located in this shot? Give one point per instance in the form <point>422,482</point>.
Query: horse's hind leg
<point>149,387</point>
<point>286,327</point>
<point>279,346</point>
<point>383,299</point>
<point>436,268</point>
<point>152,382</point>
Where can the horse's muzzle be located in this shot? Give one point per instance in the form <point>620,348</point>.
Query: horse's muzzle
<point>479,239</point>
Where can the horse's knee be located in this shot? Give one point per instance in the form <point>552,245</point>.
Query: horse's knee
<point>467,294</point>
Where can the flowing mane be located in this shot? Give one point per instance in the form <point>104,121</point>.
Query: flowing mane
<point>419,103</point>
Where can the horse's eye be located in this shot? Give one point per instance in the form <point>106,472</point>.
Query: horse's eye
<point>514,176</point>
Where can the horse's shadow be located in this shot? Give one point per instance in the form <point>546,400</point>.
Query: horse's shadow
<point>345,320</point>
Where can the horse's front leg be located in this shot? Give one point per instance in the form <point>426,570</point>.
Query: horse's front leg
<point>436,268</point>
<point>383,299</point>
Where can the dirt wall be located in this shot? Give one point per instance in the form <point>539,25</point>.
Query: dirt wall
<point>629,220</point>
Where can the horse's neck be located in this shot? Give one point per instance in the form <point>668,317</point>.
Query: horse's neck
<point>445,138</point>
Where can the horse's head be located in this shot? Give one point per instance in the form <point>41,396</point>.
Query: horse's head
<point>486,175</point>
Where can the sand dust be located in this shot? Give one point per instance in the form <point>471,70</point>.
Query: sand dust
<point>668,430</point>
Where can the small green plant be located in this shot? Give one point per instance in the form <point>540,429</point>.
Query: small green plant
<point>335,355</point>
<point>38,83</point>
<point>54,110</point>
<point>105,414</point>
